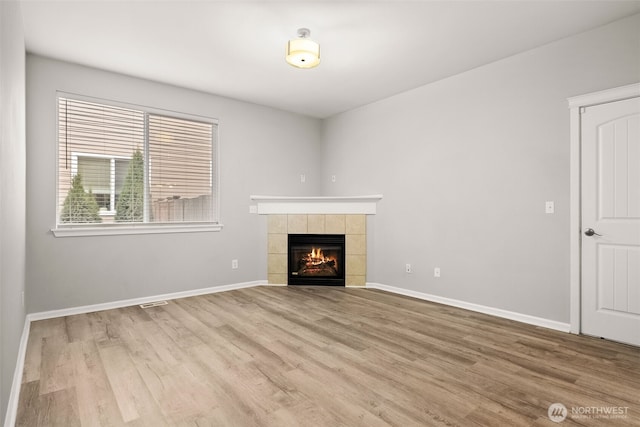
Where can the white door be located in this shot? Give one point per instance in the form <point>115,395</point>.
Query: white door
<point>611,221</point>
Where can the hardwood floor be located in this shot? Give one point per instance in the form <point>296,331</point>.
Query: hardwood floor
<point>317,356</point>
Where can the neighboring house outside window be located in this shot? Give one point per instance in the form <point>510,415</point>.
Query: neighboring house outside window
<point>103,176</point>
<point>139,166</point>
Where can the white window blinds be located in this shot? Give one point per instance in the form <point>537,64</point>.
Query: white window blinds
<point>180,169</point>
<point>127,165</point>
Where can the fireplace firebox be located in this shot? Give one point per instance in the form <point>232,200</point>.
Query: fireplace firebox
<point>316,259</point>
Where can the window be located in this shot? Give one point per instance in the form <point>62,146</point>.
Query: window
<point>125,165</point>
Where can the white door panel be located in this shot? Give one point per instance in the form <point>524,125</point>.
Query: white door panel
<point>611,208</point>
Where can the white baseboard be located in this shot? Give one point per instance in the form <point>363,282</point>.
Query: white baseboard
<point>511,315</point>
<point>136,301</point>
<point>12,405</point>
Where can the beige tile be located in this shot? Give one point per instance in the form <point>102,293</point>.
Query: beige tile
<point>277,279</point>
<point>277,243</point>
<point>355,281</point>
<point>277,224</point>
<point>334,224</point>
<point>356,224</point>
<point>315,224</point>
<point>296,224</point>
<point>356,265</point>
<point>277,264</point>
<point>356,244</point>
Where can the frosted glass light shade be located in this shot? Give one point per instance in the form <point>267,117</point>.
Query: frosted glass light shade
<point>303,53</point>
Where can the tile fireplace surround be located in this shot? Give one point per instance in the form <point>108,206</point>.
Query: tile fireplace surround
<point>317,215</point>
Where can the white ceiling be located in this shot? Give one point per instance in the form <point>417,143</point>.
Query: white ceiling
<point>369,50</point>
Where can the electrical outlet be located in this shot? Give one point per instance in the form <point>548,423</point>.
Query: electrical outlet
<point>549,207</point>
<point>253,209</point>
<point>234,264</point>
<point>436,272</point>
<point>22,299</point>
<point>333,178</point>
<point>303,178</point>
<point>407,269</point>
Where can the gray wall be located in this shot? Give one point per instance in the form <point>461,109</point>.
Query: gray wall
<point>261,150</point>
<point>12,193</point>
<point>466,165</point>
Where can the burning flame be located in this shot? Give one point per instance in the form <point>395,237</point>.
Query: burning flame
<point>316,255</point>
<point>317,260</point>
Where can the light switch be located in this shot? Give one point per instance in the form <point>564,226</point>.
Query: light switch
<point>549,207</point>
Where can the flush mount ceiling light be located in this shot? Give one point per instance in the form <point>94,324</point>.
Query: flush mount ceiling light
<point>303,52</point>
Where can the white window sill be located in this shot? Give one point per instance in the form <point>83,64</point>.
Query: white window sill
<point>115,230</point>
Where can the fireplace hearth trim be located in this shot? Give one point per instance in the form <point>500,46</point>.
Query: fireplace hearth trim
<point>349,205</point>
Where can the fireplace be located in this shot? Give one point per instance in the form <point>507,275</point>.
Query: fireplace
<point>316,259</point>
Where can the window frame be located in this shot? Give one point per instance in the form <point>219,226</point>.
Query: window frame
<point>71,230</point>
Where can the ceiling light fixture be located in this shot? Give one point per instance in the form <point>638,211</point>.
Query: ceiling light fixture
<point>303,52</point>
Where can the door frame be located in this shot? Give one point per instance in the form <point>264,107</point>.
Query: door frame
<point>576,104</point>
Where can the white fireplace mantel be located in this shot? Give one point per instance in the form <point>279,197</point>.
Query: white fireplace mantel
<point>362,205</point>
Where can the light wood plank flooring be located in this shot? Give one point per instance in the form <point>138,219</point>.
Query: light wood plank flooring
<point>315,356</point>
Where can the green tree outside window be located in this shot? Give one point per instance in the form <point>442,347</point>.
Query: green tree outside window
<point>130,205</point>
<point>79,206</point>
